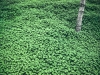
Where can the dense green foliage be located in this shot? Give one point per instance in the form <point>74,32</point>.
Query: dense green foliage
<point>94,1</point>
<point>39,38</point>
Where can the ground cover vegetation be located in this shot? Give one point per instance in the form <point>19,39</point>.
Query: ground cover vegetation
<point>39,38</point>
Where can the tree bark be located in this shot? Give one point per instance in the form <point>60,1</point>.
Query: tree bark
<point>80,15</point>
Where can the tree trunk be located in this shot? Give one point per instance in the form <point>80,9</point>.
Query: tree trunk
<point>80,15</point>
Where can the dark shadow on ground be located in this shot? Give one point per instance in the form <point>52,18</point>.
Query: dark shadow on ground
<point>6,11</point>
